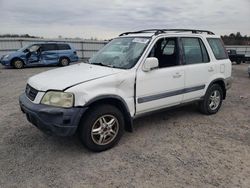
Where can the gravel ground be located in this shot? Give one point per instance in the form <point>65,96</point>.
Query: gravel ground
<point>176,148</point>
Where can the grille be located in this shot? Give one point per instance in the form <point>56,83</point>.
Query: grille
<point>31,92</point>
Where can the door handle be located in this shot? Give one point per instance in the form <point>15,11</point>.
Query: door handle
<point>210,69</point>
<point>177,75</point>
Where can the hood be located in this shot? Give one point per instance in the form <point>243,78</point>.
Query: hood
<point>66,77</point>
<point>14,54</point>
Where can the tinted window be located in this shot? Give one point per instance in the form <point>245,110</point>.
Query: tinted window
<point>217,48</point>
<point>194,51</point>
<point>63,47</point>
<point>33,48</point>
<point>49,47</point>
<point>165,50</point>
<point>168,47</point>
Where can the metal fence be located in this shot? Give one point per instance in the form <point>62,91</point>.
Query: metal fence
<point>85,48</point>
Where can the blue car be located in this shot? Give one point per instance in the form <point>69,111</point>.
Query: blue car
<point>41,54</point>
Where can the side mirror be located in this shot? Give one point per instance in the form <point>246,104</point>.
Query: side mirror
<point>150,63</point>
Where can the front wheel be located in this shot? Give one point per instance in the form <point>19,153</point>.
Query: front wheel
<point>212,100</point>
<point>18,64</point>
<point>101,128</point>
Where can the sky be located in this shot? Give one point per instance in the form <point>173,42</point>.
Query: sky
<point>104,19</point>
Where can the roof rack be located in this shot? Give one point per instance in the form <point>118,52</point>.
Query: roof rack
<point>160,31</point>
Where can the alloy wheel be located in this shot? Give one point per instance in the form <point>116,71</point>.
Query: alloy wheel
<point>105,129</point>
<point>214,100</point>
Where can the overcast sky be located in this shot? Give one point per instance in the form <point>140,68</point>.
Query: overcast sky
<point>106,19</point>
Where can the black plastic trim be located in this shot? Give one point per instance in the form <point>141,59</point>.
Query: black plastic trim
<point>128,118</point>
<point>169,94</point>
<point>54,120</point>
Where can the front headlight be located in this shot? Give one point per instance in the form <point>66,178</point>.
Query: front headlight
<point>58,98</point>
<point>5,56</point>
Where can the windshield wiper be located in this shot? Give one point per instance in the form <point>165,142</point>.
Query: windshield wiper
<point>102,64</point>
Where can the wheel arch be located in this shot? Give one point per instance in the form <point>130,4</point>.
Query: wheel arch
<point>118,102</point>
<point>221,83</point>
<point>64,56</point>
<point>16,58</point>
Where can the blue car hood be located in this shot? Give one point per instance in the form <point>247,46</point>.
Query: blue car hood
<point>16,54</point>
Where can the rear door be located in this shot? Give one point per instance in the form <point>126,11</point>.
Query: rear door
<point>198,67</point>
<point>49,54</point>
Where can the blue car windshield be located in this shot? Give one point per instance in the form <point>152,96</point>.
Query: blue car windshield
<point>31,48</point>
<point>24,48</point>
<point>121,52</point>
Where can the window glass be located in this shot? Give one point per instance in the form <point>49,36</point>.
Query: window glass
<point>49,47</point>
<point>194,51</point>
<point>168,47</point>
<point>217,48</point>
<point>63,47</point>
<point>165,51</point>
<point>33,48</point>
<point>205,56</point>
<point>123,52</point>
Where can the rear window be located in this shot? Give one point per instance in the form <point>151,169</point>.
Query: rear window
<point>63,47</point>
<point>217,48</point>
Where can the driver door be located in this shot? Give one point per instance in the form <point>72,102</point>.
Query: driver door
<point>33,55</point>
<point>161,87</point>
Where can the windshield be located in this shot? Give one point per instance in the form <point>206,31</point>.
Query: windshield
<point>30,47</point>
<point>23,48</point>
<point>121,52</point>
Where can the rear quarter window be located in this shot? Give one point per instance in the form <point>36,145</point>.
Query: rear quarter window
<point>217,47</point>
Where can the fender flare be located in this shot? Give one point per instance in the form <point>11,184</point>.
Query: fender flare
<point>117,101</point>
<point>221,82</point>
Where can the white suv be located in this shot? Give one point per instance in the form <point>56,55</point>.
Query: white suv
<point>136,73</point>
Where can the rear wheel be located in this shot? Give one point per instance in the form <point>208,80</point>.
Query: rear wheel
<point>212,100</point>
<point>101,128</point>
<point>18,64</point>
<point>64,62</point>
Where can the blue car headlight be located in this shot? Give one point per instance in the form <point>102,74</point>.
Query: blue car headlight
<point>5,56</point>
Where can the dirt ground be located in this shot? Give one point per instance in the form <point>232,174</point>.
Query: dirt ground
<point>176,148</point>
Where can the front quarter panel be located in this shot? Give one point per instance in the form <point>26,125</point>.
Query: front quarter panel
<point>120,85</point>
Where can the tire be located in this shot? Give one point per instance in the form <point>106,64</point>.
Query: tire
<point>212,100</point>
<point>64,62</point>
<point>18,64</point>
<point>101,128</point>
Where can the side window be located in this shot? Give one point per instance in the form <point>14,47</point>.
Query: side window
<point>49,47</point>
<point>34,48</point>
<point>168,47</point>
<point>166,51</point>
<point>194,51</point>
<point>63,47</point>
<point>217,48</point>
